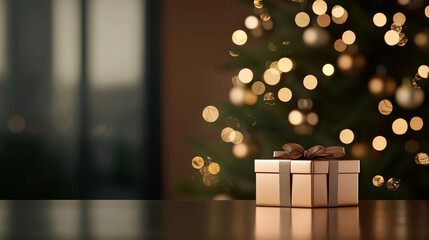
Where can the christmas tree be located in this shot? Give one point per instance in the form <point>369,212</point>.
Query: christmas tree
<point>347,73</point>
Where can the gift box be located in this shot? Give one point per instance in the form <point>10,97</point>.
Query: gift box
<point>313,178</point>
<point>307,223</point>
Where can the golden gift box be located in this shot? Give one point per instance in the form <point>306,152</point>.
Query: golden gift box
<point>322,182</point>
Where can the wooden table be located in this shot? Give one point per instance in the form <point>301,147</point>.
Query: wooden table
<point>134,219</point>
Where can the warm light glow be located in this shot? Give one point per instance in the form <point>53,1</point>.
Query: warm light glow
<point>251,22</point>
<point>399,18</point>
<point>422,158</point>
<point>312,119</point>
<point>197,162</point>
<point>421,39</point>
<point>239,37</point>
<point>226,134</point>
<point>236,96</point>
<point>302,19</point>
<point>379,143</point>
<point>403,2</point>
<point>285,94</point>
<point>338,11</point>
<point>210,113</point>
<point>236,137</point>
<point>295,117</point>
<point>423,71</point>
<point>416,123</point>
<point>245,75</point>
<point>323,20</point>
<point>345,62</point>
<point>427,11</point>
<point>285,64</point>
<point>250,98</point>
<point>258,87</point>
<point>258,3</point>
<point>328,69</point>
<point>378,180</point>
<point>310,82</point>
<point>319,7</point>
<point>391,37</point>
<point>340,45</point>
<point>349,37</point>
<point>272,76</point>
<point>214,168</point>
<point>400,126</point>
<point>385,107</point>
<point>359,150</point>
<point>347,136</point>
<point>379,19</point>
<point>376,85</point>
<point>240,150</point>
<point>265,16</point>
<point>16,123</point>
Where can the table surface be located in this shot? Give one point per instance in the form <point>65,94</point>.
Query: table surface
<point>139,219</point>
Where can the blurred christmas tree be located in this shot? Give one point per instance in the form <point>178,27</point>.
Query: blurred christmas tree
<point>348,73</point>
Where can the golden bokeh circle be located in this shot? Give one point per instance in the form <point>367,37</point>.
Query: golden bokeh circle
<point>379,19</point>
<point>251,22</point>
<point>226,134</point>
<point>319,7</point>
<point>338,11</point>
<point>285,94</point>
<point>423,71</point>
<point>342,19</point>
<point>240,150</point>
<point>385,107</point>
<point>345,62</point>
<point>391,37</point>
<point>197,162</point>
<point>422,159</point>
<point>349,37</point>
<point>378,180</point>
<point>340,45</point>
<point>214,168</point>
<point>236,96</point>
<point>258,87</point>
<point>393,184</point>
<point>295,117</point>
<point>285,64</point>
<point>271,76</point>
<point>399,126</point>
<point>302,19</point>
<point>236,137</point>
<point>312,118</point>
<point>239,37</point>
<point>427,11</point>
<point>379,143</point>
<point>328,69</point>
<point>210,113</point>
<point>245,75</point>
<point>258,4</point>
<point>399,18</point>
<point>323,20</point>
<point>347,136</point>
<point>310,82</point>
<point>416,123</point>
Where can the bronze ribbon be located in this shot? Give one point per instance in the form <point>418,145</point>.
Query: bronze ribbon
<point>295,151</point>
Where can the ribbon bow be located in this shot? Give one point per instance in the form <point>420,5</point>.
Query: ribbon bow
<point>296,151</point>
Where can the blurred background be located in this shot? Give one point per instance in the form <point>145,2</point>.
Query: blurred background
<point>103,99</point>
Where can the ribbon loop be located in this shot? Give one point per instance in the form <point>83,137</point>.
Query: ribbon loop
<point>296,151</point>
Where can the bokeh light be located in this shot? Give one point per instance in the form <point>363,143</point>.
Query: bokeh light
<point>340,45</point>
<point>423,71</point>
<point>323,20</point>
<point>379,19</point>
<point>250,98</point>
<point>391,37</point>
<point>302,19</point>
<point>285,94</point>
<point>347,136</point>
<point>214,168</point>
<point>319,7</point>
<point>427,11</point>
<point>269,99</point>
<point>312,118</point>
<point>416,123</point>
<point>258,4</point>
<point>245,75</point>
<point>258,87</point>
<point>239,37</point>
<point>328,69</point>
<point>295,117</point>
<point>349,37</point>
<point>393,184</point>
<point>197,162</point>
<point>251,22</point>
<point>338,11</point>
<point>422,159</point>
<point>379,143</point>
<point>236,96</point>
<point>226,134</point>
<point>240,150</point>
<point>310,82</point>
<point>399,126</point>
<point>399,18</point>
<point>345,62</point>
<point>378,180</point>
<point>385,107</point>
<point>210,113</point>
<point>236,137</point>
<point>271,76</point>
<point>285,64</point>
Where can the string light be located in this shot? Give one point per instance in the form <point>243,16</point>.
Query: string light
<point>236,96</point>
<point>338,11</point>
<point>422,159</point>
<point>210,113</point>
<point>310,82</point>
<point>302,19</point>
<point>347,136</point>
<point>379,19</point>
<point>239,37</point>
<point>285,94</point>
<point>379,143</point>
<point>245,75</point>
<point>258,4</point>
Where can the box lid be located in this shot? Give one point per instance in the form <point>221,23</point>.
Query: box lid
<point>306,166</point>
